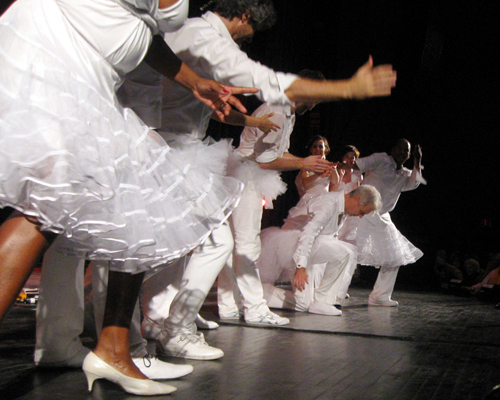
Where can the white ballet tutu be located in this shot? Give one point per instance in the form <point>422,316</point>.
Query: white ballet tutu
<point>379,242</point>
<point>83,166</point>
<point>268,183</point>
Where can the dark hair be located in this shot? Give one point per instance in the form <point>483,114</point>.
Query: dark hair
<point>312,74</point>
<point>316,138</point>
<point>339,155</point>
<point>261,12</point>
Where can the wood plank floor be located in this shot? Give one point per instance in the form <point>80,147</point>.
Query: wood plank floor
<point>433,346</point>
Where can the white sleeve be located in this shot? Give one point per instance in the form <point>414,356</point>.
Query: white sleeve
<point>366,163</point>
<point>322,213</point>
<point>414,180</point>
<point>232,66</point>
<point>267,146</point>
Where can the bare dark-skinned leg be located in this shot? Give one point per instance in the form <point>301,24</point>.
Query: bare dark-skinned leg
<point>21,245</point>
<point>113,345</point>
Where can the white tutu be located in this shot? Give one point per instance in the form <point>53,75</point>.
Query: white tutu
<point>268,183</point>
<point>379,242</point>
<point>71,157</point>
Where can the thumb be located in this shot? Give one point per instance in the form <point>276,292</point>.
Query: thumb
<point>370,61</point>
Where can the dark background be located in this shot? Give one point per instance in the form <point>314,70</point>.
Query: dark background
<point>447,100</point>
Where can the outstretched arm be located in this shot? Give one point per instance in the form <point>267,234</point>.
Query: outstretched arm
<point>368,81</point>
<point>217,96</point>
<point>289,162</point>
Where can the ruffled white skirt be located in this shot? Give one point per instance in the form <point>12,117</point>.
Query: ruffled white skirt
<point>379,242</point>
<point>85,167</point>
<point>268,183</point>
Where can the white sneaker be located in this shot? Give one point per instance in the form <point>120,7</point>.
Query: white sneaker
<point>188,345</point>
<point>156,369</point>
<point>382,303</point>
<point>234,315</point>
<point>318,307</point>
<point>202,323</point>
<point>269,318</point>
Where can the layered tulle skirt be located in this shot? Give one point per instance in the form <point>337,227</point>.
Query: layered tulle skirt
<point>379,242</point>
<point>83,166</point>
<point>267,183</point>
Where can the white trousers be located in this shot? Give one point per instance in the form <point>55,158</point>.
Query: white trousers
<point>239,285</point>
<point>384,285</point>
<point>61,308</point>
<point>328,263</point>
<point>173,297</point>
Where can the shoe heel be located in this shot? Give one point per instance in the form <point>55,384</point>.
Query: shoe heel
<point>90,379</point>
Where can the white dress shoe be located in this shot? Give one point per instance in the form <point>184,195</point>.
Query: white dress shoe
<point>95,368</point>
<point>187,345</point>
<point>157,369</point>
<point>202,323</point>
<point>382,303</point>
<point>269,318</point>
<point>318,307</point>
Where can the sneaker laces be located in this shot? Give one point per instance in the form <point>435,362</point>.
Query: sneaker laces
<point>147,360</point>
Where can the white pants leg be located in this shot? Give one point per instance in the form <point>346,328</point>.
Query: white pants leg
<point>178,315</point>
<point>245,224</point>
<point>384,285</point>
<point>60,310</point>
<point>100,270</point>
<point>158,292</point>
<point>288,299</point>
<point>329,286</point>
<point>346,280</point>
<point>339,257</point>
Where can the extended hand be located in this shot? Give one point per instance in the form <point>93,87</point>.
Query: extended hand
<point>417,153</point>
<point>372,81</point>
<point>220,97</point>
<point>317,165</point>
<point>266,125</point>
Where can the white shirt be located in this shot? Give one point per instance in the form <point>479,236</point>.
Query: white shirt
<point>380,171</point>
<point>325,214</point>
<point>206,46</point>
<point>263,148</point>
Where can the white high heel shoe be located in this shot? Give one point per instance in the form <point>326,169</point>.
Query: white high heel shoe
<point>95,368</point>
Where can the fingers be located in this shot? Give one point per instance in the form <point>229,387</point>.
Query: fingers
<point>236,103</point>
<point>239,89</point>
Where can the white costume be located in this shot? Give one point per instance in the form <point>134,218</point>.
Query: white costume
<point>379,242</point>
<point>239,285</point>
<point>307,240</point>
<point>73,157</point>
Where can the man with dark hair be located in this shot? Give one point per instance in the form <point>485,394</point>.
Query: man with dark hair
<point>261,13</point>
